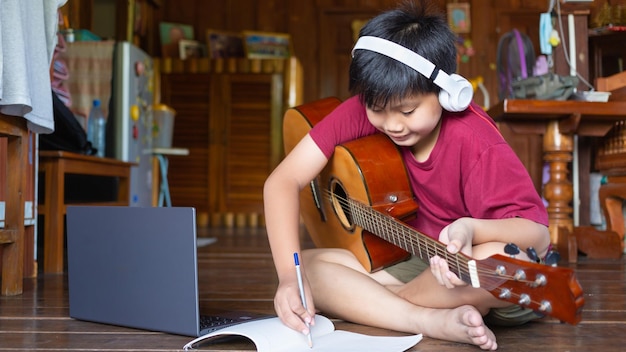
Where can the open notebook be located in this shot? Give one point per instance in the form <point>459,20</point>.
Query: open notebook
<point>137,267</point>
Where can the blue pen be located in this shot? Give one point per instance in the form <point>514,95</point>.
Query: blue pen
<point>302,297</point>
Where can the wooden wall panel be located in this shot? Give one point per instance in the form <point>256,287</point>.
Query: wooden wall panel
<point>247,128</point>
<point>303,26</point>
<point>336,27</point>
<point>230,122</point>
<point>189,176</point>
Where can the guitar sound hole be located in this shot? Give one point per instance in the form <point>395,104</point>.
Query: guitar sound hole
<point>340,204</point>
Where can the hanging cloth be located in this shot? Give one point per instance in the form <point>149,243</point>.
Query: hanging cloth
<point>545,31</point>
<point>28,37</point>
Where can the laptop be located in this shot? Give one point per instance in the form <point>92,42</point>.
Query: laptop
<point>137,267</point>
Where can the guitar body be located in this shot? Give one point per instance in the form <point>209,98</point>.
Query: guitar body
<point>365,170</point>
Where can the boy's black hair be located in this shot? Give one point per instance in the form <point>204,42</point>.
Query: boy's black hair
<point>377,79</point>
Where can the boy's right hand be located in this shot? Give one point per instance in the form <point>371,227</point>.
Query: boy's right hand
<point>458,238</point>
<point>289,308</point>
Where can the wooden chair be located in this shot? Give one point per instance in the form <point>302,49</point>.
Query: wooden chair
<point>55,165</point>
<point>15,130</point>
<point>616,84</point>
<point>611,161</point>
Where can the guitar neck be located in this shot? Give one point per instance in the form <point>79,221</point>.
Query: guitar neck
<point>394,231</point>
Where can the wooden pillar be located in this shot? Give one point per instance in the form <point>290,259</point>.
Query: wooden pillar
<point>558,191</point>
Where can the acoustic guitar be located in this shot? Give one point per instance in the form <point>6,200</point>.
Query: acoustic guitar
<point>363,196</point>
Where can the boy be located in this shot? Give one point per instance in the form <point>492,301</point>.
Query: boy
<point>473,192</point>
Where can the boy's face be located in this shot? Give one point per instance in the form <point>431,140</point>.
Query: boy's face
<point>409,121</point>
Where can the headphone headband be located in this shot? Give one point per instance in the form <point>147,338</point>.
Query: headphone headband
<point>396,52</point>
<point>458,89</point>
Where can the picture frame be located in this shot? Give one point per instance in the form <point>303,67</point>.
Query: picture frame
<point>191,48</point>
<point>223,44</point>
<point>267,45</point>
<point>459,17</point>
<point>170,35</point>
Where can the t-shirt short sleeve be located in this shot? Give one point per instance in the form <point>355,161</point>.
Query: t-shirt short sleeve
<point>346,123</point>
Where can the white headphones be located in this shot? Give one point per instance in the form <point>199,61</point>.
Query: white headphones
<point>456,92</point>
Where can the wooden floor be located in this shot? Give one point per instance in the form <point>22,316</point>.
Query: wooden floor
<point>237,273</point>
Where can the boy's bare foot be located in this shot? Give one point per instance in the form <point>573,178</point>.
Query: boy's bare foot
<point>463,324</point>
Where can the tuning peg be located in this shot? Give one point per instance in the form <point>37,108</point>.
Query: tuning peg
<point>532,254</point>
<point>552,258</point>
<point>511,249</point>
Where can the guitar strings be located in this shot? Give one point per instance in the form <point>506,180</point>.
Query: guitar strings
<point>404,236</point>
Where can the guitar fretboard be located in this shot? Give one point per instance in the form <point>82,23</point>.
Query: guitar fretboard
<point>393,231</point>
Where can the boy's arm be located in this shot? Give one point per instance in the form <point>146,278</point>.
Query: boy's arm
<point>485,236</point>
<point>482,238</point>
<point>282,216</point>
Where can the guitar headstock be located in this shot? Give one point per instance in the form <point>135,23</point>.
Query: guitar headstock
<point>549,290</point>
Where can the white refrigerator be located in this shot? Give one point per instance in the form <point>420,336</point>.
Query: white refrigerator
<point>129,129</point>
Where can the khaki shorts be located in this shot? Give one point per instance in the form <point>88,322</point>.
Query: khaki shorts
<point>509,316</point>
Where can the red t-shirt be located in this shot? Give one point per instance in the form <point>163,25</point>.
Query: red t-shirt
<point>471,172</point>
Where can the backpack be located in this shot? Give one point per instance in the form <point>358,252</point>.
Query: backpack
<point>518,77</point>
<point>515,61</point>
<point>68,134</point>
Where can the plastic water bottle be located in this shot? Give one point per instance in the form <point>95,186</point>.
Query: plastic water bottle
<point>96,130</point>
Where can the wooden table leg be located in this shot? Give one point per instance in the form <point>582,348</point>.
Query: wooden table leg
<point>558,148</point>
<point>12,235</point>
<point>53,222</point>
<point>56,165</point>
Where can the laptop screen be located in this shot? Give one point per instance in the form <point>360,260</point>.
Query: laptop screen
<point>134,267</point>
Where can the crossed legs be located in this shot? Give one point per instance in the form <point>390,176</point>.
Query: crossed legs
<point>342,288</point>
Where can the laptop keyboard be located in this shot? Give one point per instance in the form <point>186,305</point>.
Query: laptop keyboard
<point>212,323</point>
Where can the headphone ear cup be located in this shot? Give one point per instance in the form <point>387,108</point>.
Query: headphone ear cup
<point>458,97</point>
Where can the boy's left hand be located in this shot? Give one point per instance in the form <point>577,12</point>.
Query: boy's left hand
<point>458,237</point>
